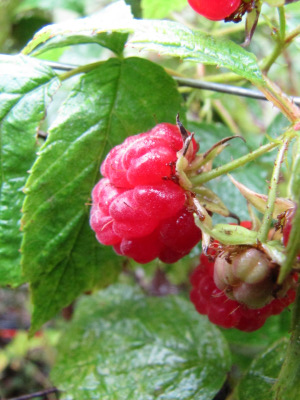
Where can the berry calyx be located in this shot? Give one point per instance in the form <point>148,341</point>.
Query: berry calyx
<point>215,10</point>
<point>139,207</point>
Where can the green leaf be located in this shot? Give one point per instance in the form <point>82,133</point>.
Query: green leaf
<point>121,344</point>
<point>84,30</point>
<point>176,40</point>
<point>61,257</point>
<point>245,346</point>
<point>259,201</point>
<point>161,9</point>
<point>26,87</point>
<point>164,37</point>
<point>73,5</point>
<point>258,382</point>
<point>288,383</point>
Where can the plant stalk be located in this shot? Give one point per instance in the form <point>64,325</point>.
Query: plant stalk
<point>268,215</point>
<point>282,23</point>
<point>274,94</point>
<point>287,386</point>
<point>292,249</point>
<point>280,42</point>
<point>79,70</point>
<point>239,162</point>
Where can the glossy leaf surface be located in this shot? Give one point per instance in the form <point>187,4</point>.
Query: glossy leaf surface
<point>164,37</point>
<point>122,345</point>
<point>26,87</point>
<point>263,373</point>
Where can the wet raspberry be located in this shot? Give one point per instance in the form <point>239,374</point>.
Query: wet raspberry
<point>138,207</point>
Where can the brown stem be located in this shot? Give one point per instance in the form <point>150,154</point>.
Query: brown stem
<point>274,94</point>
<point>36,394</point>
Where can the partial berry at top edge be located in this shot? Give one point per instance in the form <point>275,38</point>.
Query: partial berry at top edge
<point>215,10</point>
<point>138,207</point>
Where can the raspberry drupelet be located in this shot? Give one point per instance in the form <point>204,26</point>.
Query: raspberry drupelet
<point>138,207</point>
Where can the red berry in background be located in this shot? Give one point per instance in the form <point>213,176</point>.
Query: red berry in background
<point>215,10</point>
<point>287,227</point>
<point>287,223</point>
<point>209,300</point>
<point>241,298</point>
<point>138,207</point>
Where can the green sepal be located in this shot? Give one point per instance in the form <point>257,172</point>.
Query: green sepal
<point>228,234</point>
<point>233,234</point>
<point>275,250</point>
<point>251,22</point>
<point>205,158</point>
<point>259,201</point>
<point>208,199</point>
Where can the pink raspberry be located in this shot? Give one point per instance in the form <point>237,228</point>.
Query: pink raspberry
<point>139,207</point>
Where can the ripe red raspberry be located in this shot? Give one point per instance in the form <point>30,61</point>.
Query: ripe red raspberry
<point>213,302</point>
<point>215,10</point>
<point>139,207</point>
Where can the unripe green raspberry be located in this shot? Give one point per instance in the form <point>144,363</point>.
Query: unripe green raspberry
<point>254,295</point>
<point>223,274</point>
<point>246,275</point>
<point>251,266</point>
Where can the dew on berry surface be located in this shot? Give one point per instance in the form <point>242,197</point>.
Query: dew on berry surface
<point>160,201</point>
<point>103,225</point>
<point>140,195</point>
<point>151,167</point>
<point>142,250</point>
<point>180,233</point>
<point>170,256</point>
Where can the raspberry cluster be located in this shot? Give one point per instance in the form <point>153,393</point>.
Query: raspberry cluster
<point>215,10</point>
<point>138,207</point>
<point>209,300</point>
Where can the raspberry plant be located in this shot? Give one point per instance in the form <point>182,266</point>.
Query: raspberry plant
<point>122,149</point>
